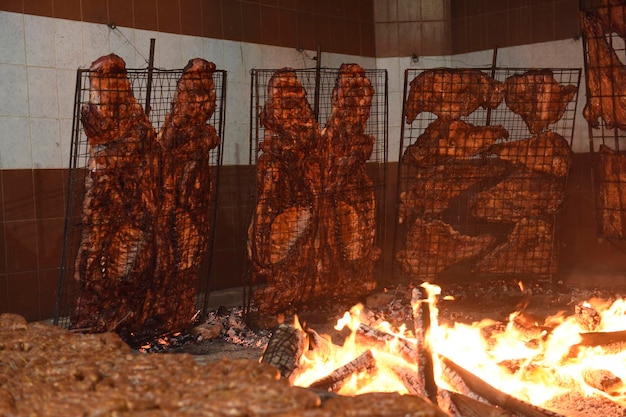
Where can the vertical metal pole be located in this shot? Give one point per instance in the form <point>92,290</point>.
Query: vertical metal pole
<point>150,71</point>
<point>316,98</point>
<point>494,61</point>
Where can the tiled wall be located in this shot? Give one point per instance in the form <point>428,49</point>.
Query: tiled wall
<point>41,50</point>
<point>487,24</point>
<point>444,27</point>
<point>338,26</point>
<point>44,41</point>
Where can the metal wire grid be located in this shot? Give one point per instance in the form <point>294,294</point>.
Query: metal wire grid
<point>604,56</point>
<point>154,90</point>
<point>458,215</point>
<point>318,84</point>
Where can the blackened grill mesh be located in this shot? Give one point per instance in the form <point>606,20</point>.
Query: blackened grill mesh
<point>142,193</point>
<point>319,143</point>
<point>476,195</point>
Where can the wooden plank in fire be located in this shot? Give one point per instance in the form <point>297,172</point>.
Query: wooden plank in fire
<point>336,379</point>
<point>379,339</point>
<point>424,359</point>
<point>497,397</point>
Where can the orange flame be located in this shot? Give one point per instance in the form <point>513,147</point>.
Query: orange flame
<point>536,370</point>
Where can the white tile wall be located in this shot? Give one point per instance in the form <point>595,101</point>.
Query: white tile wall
<point>14,143</point>
<point>45,142</point>
<point>39,58</point>
<point>39,41</point>
<point>11,39</point>
<point>68,43</point>
<point>13,90</point>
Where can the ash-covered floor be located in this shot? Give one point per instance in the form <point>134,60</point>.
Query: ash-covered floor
<point>472,302</point>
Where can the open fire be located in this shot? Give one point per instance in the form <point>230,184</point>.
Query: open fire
<point>565,365</point>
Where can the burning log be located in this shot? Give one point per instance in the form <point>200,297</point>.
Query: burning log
<point>285,348</point>
<point>379,339</point>
<point>469,407</point>
<point>587,317</point>
<point>421,319</point>
<point>335,380</point>
<point>603,380</point>
<point>614,341</point>
<point>497,397</point>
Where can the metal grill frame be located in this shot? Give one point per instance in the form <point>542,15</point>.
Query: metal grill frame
<point>458,216</point>
<point>613,138</point>
<point>319,83</point>
<point>154,89</point>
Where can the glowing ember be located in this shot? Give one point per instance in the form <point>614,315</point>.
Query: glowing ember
<point>531,361</point>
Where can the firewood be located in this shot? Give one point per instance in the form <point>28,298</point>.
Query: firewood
<point>379,339</point>
<point>335,380</point>
<point>470,407</point>
<point>614,341</point>
<point>421,319</point>
<point>409,380</point>
<point>497,397</point>
<point>587,317</point>
<point>284,349</point>
<point>603,380</point>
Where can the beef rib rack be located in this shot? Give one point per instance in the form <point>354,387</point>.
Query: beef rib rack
<point>313,230</point>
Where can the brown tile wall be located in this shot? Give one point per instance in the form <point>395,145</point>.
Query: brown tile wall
<point>435,28</point>
<point>338,26</point>
<point>32,219</point>
<point>486,24</point>
<point>31,231</point>
<point>412,27</point>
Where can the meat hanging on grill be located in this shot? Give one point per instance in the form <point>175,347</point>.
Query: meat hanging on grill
<point>522,194</point>
<point>610,177</point>
<point>528,250</point>
<point>612,13</point>
<point>113,263</point>
<point>547,152</point>
<point>348,193</point>
<point>432,247</point>
<point>538,98</point>
<point>312,234</point>
<point>452,93</point>
<point>187,191</point>
<point>443,140</point>
<point>606,78</point>
<point>281,234</point>
<point>433,188</point>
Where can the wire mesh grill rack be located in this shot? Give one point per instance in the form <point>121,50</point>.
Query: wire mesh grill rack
<point>603,25</point>
<point>484,157</point>
<point>142,198</point>
<point>319,142</point>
